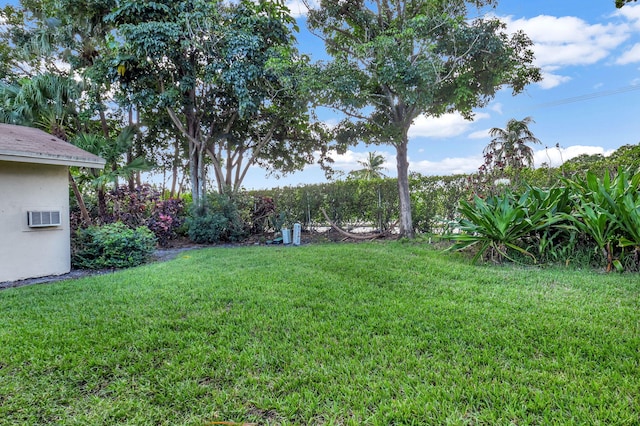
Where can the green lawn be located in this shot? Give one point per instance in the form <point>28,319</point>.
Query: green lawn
<point>376,333</point>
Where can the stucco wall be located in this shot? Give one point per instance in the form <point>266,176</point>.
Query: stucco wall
<point>33,252</point>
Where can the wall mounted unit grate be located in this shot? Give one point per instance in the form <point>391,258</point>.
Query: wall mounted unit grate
<point>41,219</point>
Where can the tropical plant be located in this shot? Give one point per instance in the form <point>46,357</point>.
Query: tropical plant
<point>372,168</point>
<point>504,222</point>
<point>219,219</point>
<point>509,147</point>
<point>606,210</point>
<point>599,225</point>
<point>46,101</point>
<point>114,152</point>
<point>629,220</point>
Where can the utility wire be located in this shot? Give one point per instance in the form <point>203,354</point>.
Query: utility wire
<point>589,96</point>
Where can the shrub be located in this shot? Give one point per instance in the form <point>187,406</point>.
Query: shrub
<point>132,207</point>
<point>262,214</point>
<point>166,219</point>
<point>112,246</point>
<point>502,223</point>
<point>218,219</point>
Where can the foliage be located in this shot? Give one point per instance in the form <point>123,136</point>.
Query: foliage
<point>131,207</point>
<point>144,206</point>
<point>351,202</point>
<point>620,3</point>
<point>219,219</point>
<point>113,151</point>
<point>607,210</point>
<point>228,76</point>
<point>166,219</point>
<point>113,245</point>
<point>335,334</point>
<point>394,60</point>
<point>589,213</point>
<point>435,199</point>
<point>46,101</point>
<point>503,222</point>
<point>262,214</point>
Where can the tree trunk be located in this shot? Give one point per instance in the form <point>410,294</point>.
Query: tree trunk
<point>174,167</point>
<point>406,221</point>
<point>102,205</point>
<point>202,183</point>
<point>83,208</point>
<point>132,178</point>
<point>197,173</point>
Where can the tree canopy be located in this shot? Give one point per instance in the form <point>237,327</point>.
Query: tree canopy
<point>218,81</point>
<point>394,60</point>
<point>228,76</point>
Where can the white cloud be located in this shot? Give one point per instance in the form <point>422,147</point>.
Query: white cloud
<point>480,134</point>
<point>631,13</point>
<point>567,41</point>
<point>496,107</point>
<point>349,160</point>
<point>550,80</point>
<point>445,126</point>
<point>556,156</point>
<point>447,166</point>
<point>298,7</point>
<point>630,56</point>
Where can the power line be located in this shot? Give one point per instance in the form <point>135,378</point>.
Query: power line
<point>589,96</point>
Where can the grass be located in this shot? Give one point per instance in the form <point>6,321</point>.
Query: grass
<point>376,333</point>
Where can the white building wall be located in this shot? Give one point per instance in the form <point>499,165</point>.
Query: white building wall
<point>33,252</point>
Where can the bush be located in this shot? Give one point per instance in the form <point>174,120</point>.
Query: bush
<point>112,246</point>
<point>218,219</point>
<point>133,207</point>
<point>166,219</point>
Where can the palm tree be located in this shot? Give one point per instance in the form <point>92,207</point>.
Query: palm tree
<point>508,148</point>
<point>372,168</point>
<point>45,101</point>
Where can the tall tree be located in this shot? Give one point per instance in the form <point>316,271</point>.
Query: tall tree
<point>394,60</point>
<point>509,147</point>
<point>371,167</point>
<point>228,77</point>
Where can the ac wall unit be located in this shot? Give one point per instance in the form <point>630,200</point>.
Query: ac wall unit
<point>43,219</point>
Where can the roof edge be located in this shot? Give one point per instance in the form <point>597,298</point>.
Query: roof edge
<point>21,157</point>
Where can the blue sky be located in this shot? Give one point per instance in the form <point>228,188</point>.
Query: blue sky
<point>589,53</point>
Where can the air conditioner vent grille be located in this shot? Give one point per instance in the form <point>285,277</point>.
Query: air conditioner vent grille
<point>41,219</point>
